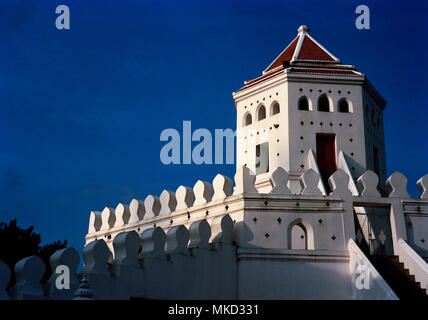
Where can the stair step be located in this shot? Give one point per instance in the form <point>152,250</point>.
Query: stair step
<point>398,277</point>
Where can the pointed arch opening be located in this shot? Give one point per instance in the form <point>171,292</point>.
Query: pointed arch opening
<point>324,103</point>
<point>274,108</point>
<point>247,119</point>
<point>344,105</point>
<point>300,235</point>
<point>303,104</point>
<point>261,113</point>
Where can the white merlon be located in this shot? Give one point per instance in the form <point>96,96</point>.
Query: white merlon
<point>185,197</point>
<point>122,215</point>
<point>126,246</point>
<point>279,180</point>
<point>153,243</point>
<point>368,182</point>
<point>168,202</point>
<point>310,180</point>
<point>95,221</point>
<point>152,206</point>
<point>338,182</point>
<point>137,210</point>
<point>396,185</point>
<point>108,218</point>
<point>177,239</point>
<point>200,232</point>
<point>203,192</point>
<point>222,187</point>
<point>28,273</point>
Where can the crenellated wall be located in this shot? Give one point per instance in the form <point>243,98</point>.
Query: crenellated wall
<point>179,264</point>
<point>222,241</point>
<point>326,216</point>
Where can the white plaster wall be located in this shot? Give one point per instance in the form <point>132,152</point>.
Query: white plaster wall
<point>307,124</point>
<point>269,226</point>
<point>417,233</point>
<point>285,142</point>
<point>258,132</point>
<point>286,275</point>
<point>322,233</point>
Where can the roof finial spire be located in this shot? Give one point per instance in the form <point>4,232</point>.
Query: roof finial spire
<point>303,29</point>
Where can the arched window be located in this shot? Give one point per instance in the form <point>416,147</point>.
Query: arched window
<point>303,104</point>
<point>323,103</point>
<point>261,113</point>
<point>275,108</point>
<point>299,237</point>
<point>343,106</point>
<point>248,119</point>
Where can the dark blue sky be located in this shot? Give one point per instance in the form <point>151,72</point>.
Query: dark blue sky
<point>81,110</point>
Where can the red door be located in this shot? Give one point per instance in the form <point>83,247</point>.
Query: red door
<point>326,156</point>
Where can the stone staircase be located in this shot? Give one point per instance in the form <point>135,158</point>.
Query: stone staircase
<point>398,277</point>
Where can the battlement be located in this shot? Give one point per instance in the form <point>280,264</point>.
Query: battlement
<point>154,265</point>
<point>327,219</point>
<point>212,242</point>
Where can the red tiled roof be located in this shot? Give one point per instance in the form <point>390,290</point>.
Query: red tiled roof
<point>305,56</point>
<point>311,51</point>
<point>303,48</point>
<point>286,55</point>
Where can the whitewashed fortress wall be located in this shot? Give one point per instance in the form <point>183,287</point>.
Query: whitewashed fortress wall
<point>309,195</point>
<point>211,256</point>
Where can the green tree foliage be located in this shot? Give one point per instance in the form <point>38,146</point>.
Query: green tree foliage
<point>17,243</point>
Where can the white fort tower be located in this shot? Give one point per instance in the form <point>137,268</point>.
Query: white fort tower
<point>307,110</point>
<point>308,215</point>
